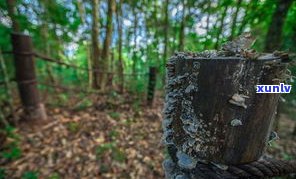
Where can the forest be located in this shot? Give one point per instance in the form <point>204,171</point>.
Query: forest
<point>82,83</point>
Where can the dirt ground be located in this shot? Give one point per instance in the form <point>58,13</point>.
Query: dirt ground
<point>105,142</point>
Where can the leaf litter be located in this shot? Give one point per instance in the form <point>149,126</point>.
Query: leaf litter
<point>100,143</point>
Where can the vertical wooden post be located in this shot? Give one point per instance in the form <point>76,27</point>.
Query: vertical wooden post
<point>151,85</point>
<point>26,77</point>
<point>212,111</point>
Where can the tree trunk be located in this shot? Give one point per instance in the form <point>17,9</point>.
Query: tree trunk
<point>182,28</point>
<point>95,44</point>
<point>12,14</point>
<point>7,85</point>
<point>248,16</point>
<point>135,42</point>
<point>166,33</point>
<point>209,4</point>
<point>81,11</point>
<point>222,20</point>
<point>234,20</point>
<point>120,61</point>
<point>109,83</point>
<point>46,46</point>
<point>274,35</point>
<point>90,65</point>
<point>107,42</point>
<point>26,77</point>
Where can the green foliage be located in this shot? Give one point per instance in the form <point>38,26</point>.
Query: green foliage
<point>104,168</point>
<point>13,153</point>
<point>127,122</point>
<point>12,150</point>
<point>118,155</point>
<point>114,115</point>
<point>103,148</point>
<point>2,173</point>
<point>85,103</point>
<point>60,31</point>
<point>30,175</point>
<point>73,126</point>
<point>113,134</point>
<point>54,176</point>
<point>287,156</point>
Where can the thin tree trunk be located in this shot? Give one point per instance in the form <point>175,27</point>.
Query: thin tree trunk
<point>8,89</point>
<point>81,11</point>
<point>182,28</point>
<point>89,64</point>
<point>166,32</point>
<point>11,7</point>
<point>234,20</point>
<point>120,61</point>
<point>208,24</point>
<point>107,42</point>
<point>222,21</point>
<point>294,131</point>
<point>135,42</point>
<point>46,46</point>
<point>245,18</point>
<point>95,43</point>
<point>274,35</point>
<point>111,70</point>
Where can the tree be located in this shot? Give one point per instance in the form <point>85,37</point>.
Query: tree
<point>95,44</point>
<point>12,14</point>
<point>222,21</point>
<point>274,34</point>
<point>107,42</point>
<point>45,35</point>
<point>120,60</point>
<point>166,33</point>
<point>182,27</point>
<point>135,38</point>
<point>234,20</point>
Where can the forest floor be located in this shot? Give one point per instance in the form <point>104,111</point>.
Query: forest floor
<point>107,140</point>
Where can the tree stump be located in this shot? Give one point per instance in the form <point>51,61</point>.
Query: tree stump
<point>212,111</point>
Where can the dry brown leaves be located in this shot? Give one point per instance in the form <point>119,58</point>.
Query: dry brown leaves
<point>92,144</point>
<point>97,143</point>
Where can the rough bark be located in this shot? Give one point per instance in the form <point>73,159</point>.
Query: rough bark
<point>212,111</point>
<point>107,41</point>
<point>95,44</point>
<point>274,34</point>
